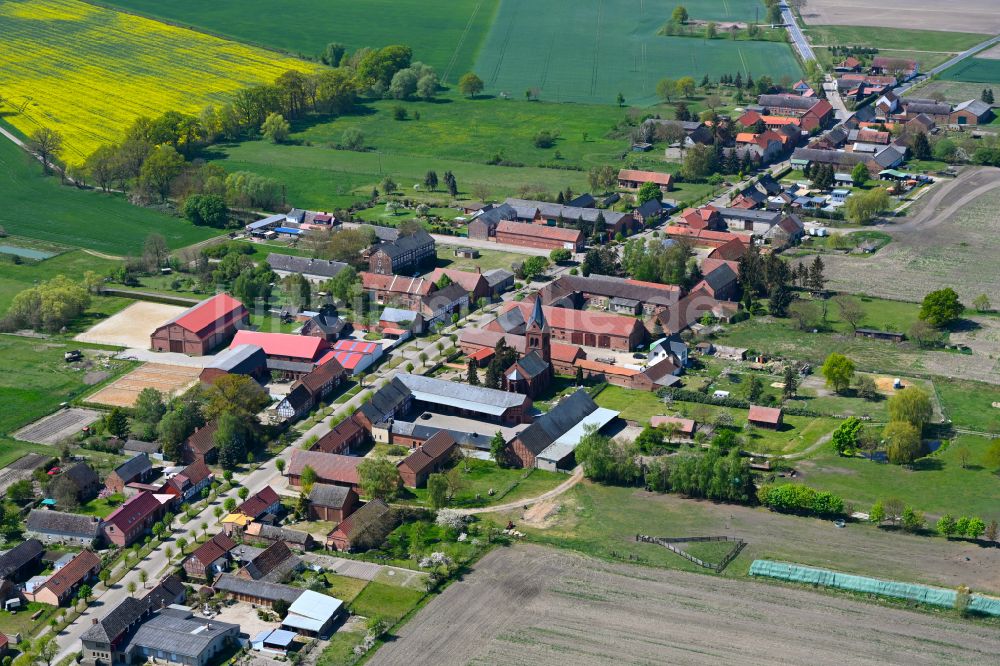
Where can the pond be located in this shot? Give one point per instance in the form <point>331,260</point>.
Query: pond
<point>26,253</point>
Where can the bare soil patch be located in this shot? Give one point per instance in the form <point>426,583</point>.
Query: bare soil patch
<point>533,605</point>
<point>992,53</point>
<point>132,326</point>
<point>956,16</point>
<point>168,379</point>
<point>54,427</point>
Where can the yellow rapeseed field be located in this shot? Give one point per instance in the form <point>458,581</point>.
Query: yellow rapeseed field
<point>89,72</point>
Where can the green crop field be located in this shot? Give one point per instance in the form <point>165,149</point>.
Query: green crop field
<point>590,51</point>
<point>974,70</point>
<point>892,38</point>
<point>38,207</point>
<point>446,35</point>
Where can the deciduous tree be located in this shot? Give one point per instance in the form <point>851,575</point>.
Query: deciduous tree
<point>838,370</point>
<point>940,308</point>
<point>379,478</point>
<point>470,85</point>
<point>903,444</point>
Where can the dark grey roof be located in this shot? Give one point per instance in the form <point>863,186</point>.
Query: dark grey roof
<point>770,217</point>
<point>568,213</point>
<point>386,401</point>
<point>330,324</point>
<point>651,207</point>
<point>512,321</point>
<point>975,106</point>
<point>533,364</point>
<point>721,277</point>
<point>830,156</point>
<point>257,588</point>
<point>166,592</point>
<point>891,156</point>
<point>324,494</point>
<point>290,366</point>
<point>583,201</point>
<point>383,234</point>
<point>406,244</point>
<point>496,214</point>
<point>786,101</point>
<point>443,298</point>
<point>181,634</point>
<point>18,556</point>
<point>305,265</point>
<point>139,446</point>
<point>276,533</point>
<point>298,398</point>
<point>930,107</point>
<point>553,424</point>
<point>82,475</point>
<point>497,276</point>
<point>246,358</point>
<point>42,521</point>
<point>537,316</point>
<point>118,620</point>
<point>769,184</point>
<point>134,467</point>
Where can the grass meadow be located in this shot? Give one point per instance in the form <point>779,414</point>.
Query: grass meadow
<point>591,51</point>
<point>89,71</point>
<point>446,35</point>
<point>38,207</point>
<point>892,38</point>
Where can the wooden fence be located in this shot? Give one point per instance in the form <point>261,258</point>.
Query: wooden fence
<point>667,542</point>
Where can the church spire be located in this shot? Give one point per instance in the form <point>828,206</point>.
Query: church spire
<point>537,316</point>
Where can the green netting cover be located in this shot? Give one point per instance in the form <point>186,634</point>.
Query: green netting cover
<point>935,596</point>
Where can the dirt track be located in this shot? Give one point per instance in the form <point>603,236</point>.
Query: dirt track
<point>538,606</point>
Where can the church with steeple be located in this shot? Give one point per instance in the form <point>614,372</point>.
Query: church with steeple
<point>532,374</point>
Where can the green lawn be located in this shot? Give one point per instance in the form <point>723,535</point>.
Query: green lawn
<point>340,650</point>
<point>389,601</point>
<point>892,38</point>
<point>17,277</point>
<point>22,623</point>
<point>39,207</point>
<point>12,449</point>
<point>937,484</point>
<point>344,588</point>
<point>590,52</point>
<point>36,379</point>
<point>487,260</point>
<point>507,484</point>
<point>101,507</point>
<point>446,35</point>
<point>970,404</point>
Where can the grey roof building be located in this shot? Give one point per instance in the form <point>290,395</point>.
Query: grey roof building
<point>60,527</point>
<point>139,446</point>
<point>240,360</point>
<point>256,590</point>
<point>18,562</point>
<point>135,468</point>
<point>316,270</point>
<point>177,637</point>
<point>526,208</point>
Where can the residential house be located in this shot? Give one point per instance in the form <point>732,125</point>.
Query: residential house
<point>433,456</point>
<point>176,636</point>
<point>210,558</point>
<point>682,428</point>
<point>201,328</point>
<point>133,520</point>
<point>190,482</point>
<point>903,69</point>
<point>343,437</point>
<point>60,588</point>
<point>550,214</point>
<point>404,255</point>
<point>365,528</point>
<point>405,292</point>
<point>58,527</point>
<point>473,283</point>
<point>331,503</point>
<point>811,112</point>
<point>484,225</point>
<point>704,218</point>
<point>652,211</point>
<point>312,389</point>
<point>266,501</point>
<point>85,480</point>
<point>326,324</point>
<point>136,469</point>
<point>633,179</point>
<point>271,534</point>
<point>439,306</point>
<point>200,445</point>
<point>275,565</point>
<point>499,281</point>
<point>314,270</point>
<point>288,356</point>
<point>719,279</point>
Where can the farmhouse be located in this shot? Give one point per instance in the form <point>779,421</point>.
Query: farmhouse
<point>274,565</point>
<point>178,637</point>
<point>241,359</point>
<point>262,532</point>
<point>200,445</point>
<point>60,587</point>
<point>311,389</point>
<point>404,255</point>
<point>367,527</point>
<point>549,442</point>
<point>201,328</point>
<point>136,469</point>
<point>342,437</point>
<point>577,327</point>
<point>765,417</point>
<point>405,292</point>
<point>266,501</point>
<point>431,457</point>
<point>84,480</point>
<point>258,592</point>
<point>59,527</point>
<point>189,482</point>
<point>484,225</point>
<point>210,558</point>
<point>314,270</point>
<point>324,324</point>
<point>479,345</point>
<point>474,284</point>
<point>289,356</point>
<point>682,427</point>
<point>632,179</point>
<point>609,293</point>
<point>542,237</point>
<point>132,520</point>
<point>332,503</point>
<point>810,112</point>
<point>550,214</point>
<point>439,306</point>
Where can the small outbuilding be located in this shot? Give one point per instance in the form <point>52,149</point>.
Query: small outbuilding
<point>313,614</point>
<point>765,417</point>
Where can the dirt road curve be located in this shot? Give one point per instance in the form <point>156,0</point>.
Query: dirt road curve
<point>573,479</point>
<point>537,606</point>
<point>949,198</point>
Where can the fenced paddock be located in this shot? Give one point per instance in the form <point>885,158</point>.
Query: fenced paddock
<point>168,379</point>
<point>673,545</point>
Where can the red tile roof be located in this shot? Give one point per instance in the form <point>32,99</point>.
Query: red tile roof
<point>305,347</point>
<point>686,425</point>
<point>540,230</point>
<point>75,572</point>
<point>731,250</point>
<point>133,511</point>
<point>432,451</point>
<point>699,234</point>
<point>202,440</point>
<point>664,179</point>
<point>213,549</point>
<point>580,320</point>
<point>330,370</point>
<point>257,504</point>
<point>209,311</point>
<point>468,280</point>
<point>330,467</point>
<point>397,284</point>
<point>711,263</point>
<point>759,414</point>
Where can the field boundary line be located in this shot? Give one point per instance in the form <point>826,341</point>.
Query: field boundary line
<point>461,42</point>
<point>597,47</point>
<point>505,44</point>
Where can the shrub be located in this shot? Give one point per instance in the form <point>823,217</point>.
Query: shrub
<point>799,499</point>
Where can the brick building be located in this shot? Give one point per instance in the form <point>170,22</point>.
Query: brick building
<point>404,255</point>
<point>200,329</point>
<point>577,327</point>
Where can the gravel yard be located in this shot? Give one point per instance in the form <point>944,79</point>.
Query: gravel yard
<point>538,606</point>
<point>132,326</point>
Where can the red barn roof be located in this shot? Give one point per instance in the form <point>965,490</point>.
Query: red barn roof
<point>206,313</point>
<point>257,504</point>
<point>305,347</point>
<point>771,415</point>
<point>213,549</point>
<point>133,511</point>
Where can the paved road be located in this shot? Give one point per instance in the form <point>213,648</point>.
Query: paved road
<point>798,38</point>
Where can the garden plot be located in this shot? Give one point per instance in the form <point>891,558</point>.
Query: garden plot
<point>132,326</point>
<point>533,605</point>
<point>168,379</point>
<point>57,426</point>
